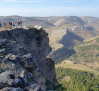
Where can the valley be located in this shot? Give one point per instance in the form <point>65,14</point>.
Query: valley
<point>75,47</point>
<point>71,38</point>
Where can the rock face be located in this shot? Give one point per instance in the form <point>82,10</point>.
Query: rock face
<point>84,28</point>
<point>23,62</point>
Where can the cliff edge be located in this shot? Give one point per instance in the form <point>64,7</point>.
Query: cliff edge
<point>23,62</point>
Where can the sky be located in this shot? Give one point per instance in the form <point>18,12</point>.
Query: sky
<point>46,8</point>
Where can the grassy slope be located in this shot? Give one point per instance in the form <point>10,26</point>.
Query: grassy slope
<point>78,67</point>
<point>86,57</point>
<point>87,52</point>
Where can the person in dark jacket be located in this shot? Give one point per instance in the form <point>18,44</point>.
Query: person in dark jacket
<point>0,25</point>
<point>4,24</point>
<point>21,23</point>
<point>18,23</point>
<point>10,23</point>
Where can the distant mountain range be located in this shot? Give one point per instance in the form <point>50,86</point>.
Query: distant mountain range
<point>46,22</point>
<point>26,21</point>
<point>64,31</point>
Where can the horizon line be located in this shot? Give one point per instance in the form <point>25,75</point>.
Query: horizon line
<point>45,16</point>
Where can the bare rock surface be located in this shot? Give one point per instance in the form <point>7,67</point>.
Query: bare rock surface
<point>23,62</point>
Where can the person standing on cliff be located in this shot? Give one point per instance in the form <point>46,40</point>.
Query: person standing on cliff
<point>4,24</point>
<point>0,25</point>
<point>18,23</point>
<point>13,24</point>
<point>8,24</point>
<point>21,23</point>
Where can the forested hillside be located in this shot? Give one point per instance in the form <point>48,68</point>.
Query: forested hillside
<point>80,71</point>
<point>76,80</point>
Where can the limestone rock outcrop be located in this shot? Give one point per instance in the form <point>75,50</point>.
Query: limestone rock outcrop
<point>83,28</point>
<point>23,62</point>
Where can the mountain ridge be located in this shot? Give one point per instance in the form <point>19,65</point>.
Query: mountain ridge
<point>56,27</point>
<point>52,20</point>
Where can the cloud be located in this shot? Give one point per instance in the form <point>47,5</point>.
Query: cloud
<point>22,1</point>
<point>10,0</point>
<point>40,1</point>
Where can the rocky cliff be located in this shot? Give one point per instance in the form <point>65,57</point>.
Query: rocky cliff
<point>23,62</point>
<point>83,28</point>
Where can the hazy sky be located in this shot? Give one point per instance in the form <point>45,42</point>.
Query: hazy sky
<point>44,8</point>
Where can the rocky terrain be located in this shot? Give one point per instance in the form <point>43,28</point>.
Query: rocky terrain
<point>63,31</point>
<point>23,62</point>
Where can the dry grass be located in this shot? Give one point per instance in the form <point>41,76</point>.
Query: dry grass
<point>91,39</point>
<point>56,46</point>
<point>76,66</point>
<point>55,34</point>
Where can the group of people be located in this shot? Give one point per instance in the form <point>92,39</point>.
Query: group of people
<point>9,24</point>
<point>12,24</point>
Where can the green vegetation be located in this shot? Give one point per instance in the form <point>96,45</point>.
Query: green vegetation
<point>86,52</point>
<point>1,70</point>
<point>61,60</point>
<point>97,40</point>
<point>88,42</point>
<point>88,47</point>
<point>48,83</point>
<point>79,80</point>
